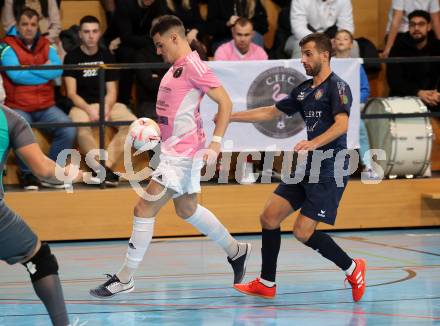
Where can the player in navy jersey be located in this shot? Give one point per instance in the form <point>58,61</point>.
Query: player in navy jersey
<point>324,102</point>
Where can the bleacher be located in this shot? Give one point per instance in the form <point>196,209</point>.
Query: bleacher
<point>369,16</point>
<point>56,215</point>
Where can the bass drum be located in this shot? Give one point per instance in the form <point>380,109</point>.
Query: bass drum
<point>407,142</point>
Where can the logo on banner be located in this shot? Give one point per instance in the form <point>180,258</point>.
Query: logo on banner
<point>270,87</point>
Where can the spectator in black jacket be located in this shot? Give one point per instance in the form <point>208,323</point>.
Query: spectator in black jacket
<point>189,13</point>
<point>283,31</point>
<point>223,14</point>
<point>133,20</point>
<point>420,79</point>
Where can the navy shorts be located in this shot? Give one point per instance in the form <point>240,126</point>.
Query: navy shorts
<point>318,201</point>
<point>17,240</point>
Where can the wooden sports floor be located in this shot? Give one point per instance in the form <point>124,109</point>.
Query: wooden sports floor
<point>188,282</point>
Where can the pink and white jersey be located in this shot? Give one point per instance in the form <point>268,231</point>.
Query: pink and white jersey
<point>178,103</point>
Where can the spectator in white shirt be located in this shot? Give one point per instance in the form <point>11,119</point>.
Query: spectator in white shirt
<point>309,16</point>
<point>398,19</point>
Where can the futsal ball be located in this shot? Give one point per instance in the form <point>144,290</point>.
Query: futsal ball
<point>144,133</point>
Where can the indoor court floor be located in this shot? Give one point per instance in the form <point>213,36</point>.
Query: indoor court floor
<point>188,282</point>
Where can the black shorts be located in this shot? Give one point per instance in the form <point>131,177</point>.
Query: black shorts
<point>17,240</point>
<point>318,201</point>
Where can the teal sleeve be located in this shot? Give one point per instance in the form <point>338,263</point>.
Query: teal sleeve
<point>50,74</point>
<point>20,77</point>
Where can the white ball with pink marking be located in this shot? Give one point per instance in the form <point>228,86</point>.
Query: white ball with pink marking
<point>144,133</point>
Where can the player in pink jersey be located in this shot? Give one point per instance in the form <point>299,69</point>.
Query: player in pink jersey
<point>180,93</point>
<point>178,175</point>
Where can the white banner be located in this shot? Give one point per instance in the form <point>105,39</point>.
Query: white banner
<point>252,84</point>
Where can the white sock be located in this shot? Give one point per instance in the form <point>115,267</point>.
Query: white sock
<point>206,222</point>
<point>138,245</point>
<point>350,270</point>
<point>269,284</point>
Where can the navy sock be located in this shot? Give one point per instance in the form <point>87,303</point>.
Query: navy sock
<point>329,249</point>
<point>271,242</point>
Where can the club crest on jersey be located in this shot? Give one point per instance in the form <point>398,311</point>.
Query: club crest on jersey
<point>318,94</point>
<point>178,72</point>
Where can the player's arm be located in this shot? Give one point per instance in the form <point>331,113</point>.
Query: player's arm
<point>435,22</point>
<point>42,166</point>
<point>338,128</point>
<point>394,30</point>
<point>288,105</point>
<point>219,95</point>
<point>265,113</point>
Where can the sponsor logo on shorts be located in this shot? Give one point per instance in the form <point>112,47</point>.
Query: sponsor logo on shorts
<point>321,213</point>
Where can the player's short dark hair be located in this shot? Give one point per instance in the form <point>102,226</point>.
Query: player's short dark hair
<point>420,13</point>
<point>164,23</point>
<point>28,12</point>
<point>88,20</point>
<point>243,21</point>
<point>322,41</point>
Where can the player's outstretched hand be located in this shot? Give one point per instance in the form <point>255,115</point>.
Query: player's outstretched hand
<point>305,145</point>
<point>212,153</point>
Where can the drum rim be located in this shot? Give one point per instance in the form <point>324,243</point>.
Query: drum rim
<point>428,152</point>
<point>388,108</point>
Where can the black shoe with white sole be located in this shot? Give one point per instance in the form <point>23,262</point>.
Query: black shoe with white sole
<point>111,179</point>
<point>111,287</point>
<point>239,263</point>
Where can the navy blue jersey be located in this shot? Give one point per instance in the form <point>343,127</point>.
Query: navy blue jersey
<point>318,106</point>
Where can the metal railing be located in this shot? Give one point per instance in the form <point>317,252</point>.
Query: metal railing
<point>102,68</point>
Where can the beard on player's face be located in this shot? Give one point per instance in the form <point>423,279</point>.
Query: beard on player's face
<point>313,68</point>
